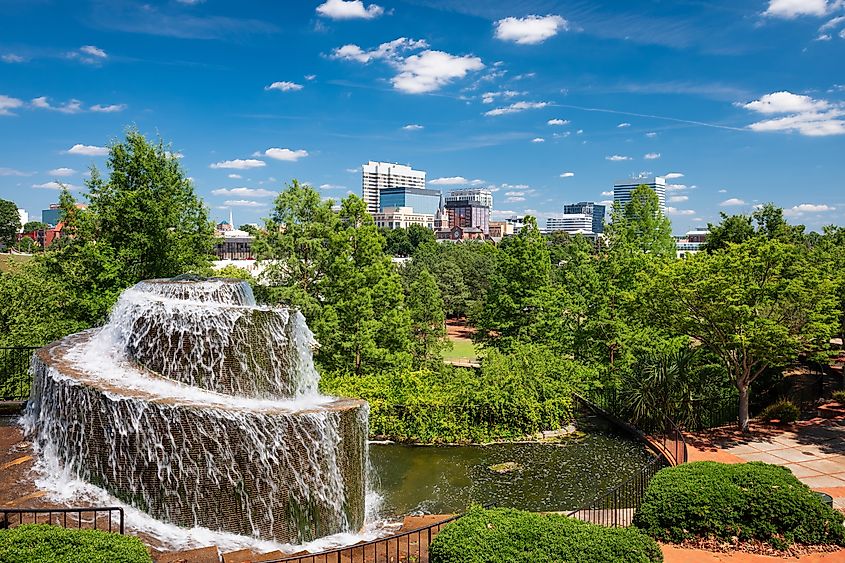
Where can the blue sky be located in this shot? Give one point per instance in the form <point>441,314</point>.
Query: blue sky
<point>547,102</point>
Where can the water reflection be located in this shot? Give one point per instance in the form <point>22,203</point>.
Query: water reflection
<point>554,477</point>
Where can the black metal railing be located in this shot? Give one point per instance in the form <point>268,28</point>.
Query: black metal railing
<point>15,380</point>
<point>617,505</point>
<point>92,518</point>
<point>405,547</point>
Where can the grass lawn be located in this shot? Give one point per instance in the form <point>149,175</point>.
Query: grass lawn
<point>9,261</point>
<point>462,348</point>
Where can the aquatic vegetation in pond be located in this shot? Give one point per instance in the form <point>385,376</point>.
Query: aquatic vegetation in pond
<point>553,477</point>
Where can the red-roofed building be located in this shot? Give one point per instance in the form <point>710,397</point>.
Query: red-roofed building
<point>45,237</point>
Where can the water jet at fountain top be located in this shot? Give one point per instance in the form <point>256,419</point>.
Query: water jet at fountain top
<point>186,405</point>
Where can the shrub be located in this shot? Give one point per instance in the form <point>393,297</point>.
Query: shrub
<point>839,397</point>
<point>42,543</point>
<point>783,411</point>
<point>511,396</point>
<point>746,500</point>
<point>503,535</point>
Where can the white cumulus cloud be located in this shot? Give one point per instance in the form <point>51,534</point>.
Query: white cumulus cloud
<point>244,192</point>
<point>516,108</point>
<point>673,175</point>
<point>238,164</point>
<point>538,140</point>
<point>567,174</point>
<point>623,125</point>
<point>558,122</point>
<point>62,172</point>
<point>111,108</point>
<point>786,102</point>
<point>93,51</point>
<point>530,30</point>
<point>617,158</point>
<point>71,106</point>
<point>652,156</point>
<point>349,10</point>
<point>790,9</point>
<point>284,86</point>
<point>732,202</point>
<point>242,203</point>
<point>7,103</point>
<point>808,116</point>
<point>413,127</point>
<point>431,70</point>
<point>55,186</point>
<point>11,58</point>
<point>454,181</point>
<point>87,150</point>
<point>675,211</point>
<point>283,154</point>
<point>804,208</point>
<point>678,198</point>
<point>418,73</point>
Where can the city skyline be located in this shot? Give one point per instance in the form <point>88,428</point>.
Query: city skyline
<point>543,102</point>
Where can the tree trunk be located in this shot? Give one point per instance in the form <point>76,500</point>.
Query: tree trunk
<point>743,407</point>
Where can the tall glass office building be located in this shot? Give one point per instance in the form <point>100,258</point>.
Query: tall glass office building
<point>421,200</point>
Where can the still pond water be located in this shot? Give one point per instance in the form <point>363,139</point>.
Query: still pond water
<point>554,477</point>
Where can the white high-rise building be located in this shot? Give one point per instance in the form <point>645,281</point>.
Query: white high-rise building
<point>572,223</point>
<point>377,176</point>
<point>24,217</point>
<point>623,189</point>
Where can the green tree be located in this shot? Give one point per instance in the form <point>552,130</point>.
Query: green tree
<point>754,305</point>
<point>397,242</point>
<point>34,226</point>
<point>731,229</point>
<point>147,213</point>
<point>522,304</point>
<point>27,245</point>
<point>640,226</point>
<point>428,322</point>
<point>766,222</point>
<point>364,325</point>
<point>10,223</point>
<point>294,246</point>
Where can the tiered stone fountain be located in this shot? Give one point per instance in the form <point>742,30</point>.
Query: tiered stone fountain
<point>201,408</point>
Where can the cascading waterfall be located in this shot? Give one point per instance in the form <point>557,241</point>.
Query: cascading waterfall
<point>201,408</point>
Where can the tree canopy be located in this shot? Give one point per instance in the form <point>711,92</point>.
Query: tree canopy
<point>10,223</point>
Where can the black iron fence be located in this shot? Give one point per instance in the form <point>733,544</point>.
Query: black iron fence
<point>617,505</point>
<point>406,547</point>
<point>106,518</point>
<point>15,380</point>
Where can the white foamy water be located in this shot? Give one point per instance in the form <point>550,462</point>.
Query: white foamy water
<point>63,487</point>
<point>203,409</point>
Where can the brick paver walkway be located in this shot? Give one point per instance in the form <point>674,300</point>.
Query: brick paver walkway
<point>814,450</point>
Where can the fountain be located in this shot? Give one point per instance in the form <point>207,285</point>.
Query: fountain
<point>201,408</point>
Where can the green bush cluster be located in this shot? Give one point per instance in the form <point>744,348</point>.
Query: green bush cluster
<point>503,535</point>
<point>746,500</point>
<point>839,397</point>
<point>511,396</point>
<point>42,543</point>
<point>782,411</point>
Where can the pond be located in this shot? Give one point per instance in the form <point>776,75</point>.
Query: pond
<point>552,477</point>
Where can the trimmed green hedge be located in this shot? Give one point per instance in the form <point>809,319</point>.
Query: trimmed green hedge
<point>745,500</point>
<point>503,535</point>
<point>42,543</point>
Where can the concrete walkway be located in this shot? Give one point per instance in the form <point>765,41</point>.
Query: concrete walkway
<point>814,450</point>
